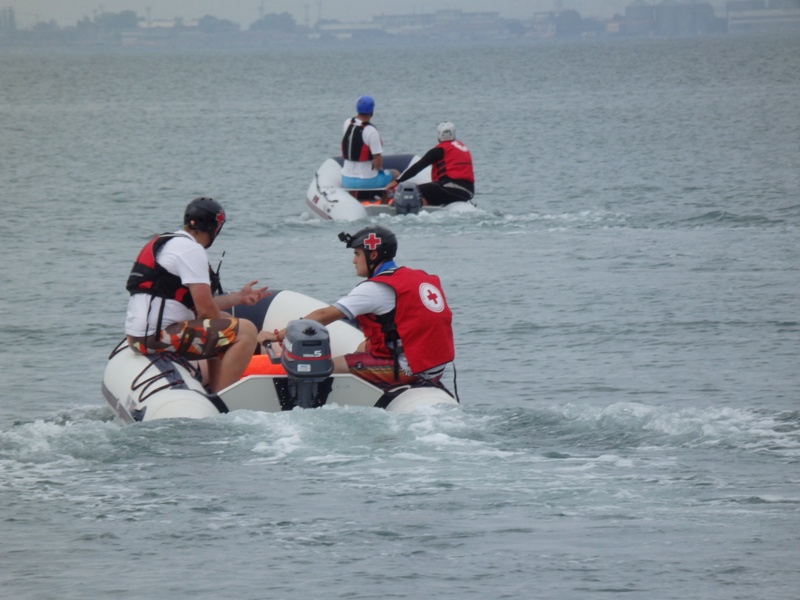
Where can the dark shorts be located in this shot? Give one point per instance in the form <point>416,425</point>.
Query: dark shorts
<point>379,371</point>
<point>198,339</point>
<point>437,194</point>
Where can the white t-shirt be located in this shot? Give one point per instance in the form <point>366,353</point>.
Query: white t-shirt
<point>181,256</point>
<point>370,297</point>
<point>363,169</point>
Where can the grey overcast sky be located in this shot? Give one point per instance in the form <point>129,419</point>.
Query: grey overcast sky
<point>244,12</point>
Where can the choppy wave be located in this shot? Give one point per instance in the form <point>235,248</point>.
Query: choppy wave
<point>728,219</point>
<point>480,219</point>
<point>502,220</point>
<point>338,435</point>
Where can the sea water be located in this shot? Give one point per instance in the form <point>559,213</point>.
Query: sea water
<point>626,317</point>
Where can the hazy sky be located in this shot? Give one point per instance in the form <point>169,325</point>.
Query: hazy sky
<point>244,12</point>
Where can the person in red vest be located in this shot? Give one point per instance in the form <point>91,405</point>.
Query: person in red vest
<point>402,312</point>
<point>173,308</point>
<point>452,176</point>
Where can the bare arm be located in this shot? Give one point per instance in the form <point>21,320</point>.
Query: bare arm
<point>204,305</point>
<point>247,295</point>
<point>324,316</point>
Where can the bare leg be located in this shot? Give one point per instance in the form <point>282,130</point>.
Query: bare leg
<point>340,365</point>
<point>210,370</point>
<point>236,358</point>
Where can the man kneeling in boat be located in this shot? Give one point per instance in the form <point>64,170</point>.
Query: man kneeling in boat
<point>173,307</point>
<point>402,312</point>
<point>452,176</point>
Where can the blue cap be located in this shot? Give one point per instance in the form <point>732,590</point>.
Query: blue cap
<point>365,105</point>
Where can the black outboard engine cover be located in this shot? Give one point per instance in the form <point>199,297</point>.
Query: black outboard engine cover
<point>307,359</point>
<point>407,198</point>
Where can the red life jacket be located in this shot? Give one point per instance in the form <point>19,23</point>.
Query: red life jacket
<point>353,146</point>
<point>149,277</point>
<point>456,164</point>
<point>421,320</point>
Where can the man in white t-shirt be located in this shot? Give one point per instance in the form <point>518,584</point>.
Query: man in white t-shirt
<point>362,151</point>
<point>173,307</point>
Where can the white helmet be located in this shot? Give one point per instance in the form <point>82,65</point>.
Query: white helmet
<point>446,132</point>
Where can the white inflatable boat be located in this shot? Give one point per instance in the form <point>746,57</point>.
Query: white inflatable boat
<point>142,388</point>
<point>328,200</point>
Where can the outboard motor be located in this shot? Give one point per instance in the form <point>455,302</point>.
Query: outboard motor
<point>307,360</point>
<point>407,198</point>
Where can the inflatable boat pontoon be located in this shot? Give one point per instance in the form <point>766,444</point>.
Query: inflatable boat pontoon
<point>145,388</point>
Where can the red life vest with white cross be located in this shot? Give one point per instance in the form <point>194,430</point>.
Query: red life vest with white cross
<point>422,320</point>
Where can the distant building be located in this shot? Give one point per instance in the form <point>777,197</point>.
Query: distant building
<point>410,22</point>
<point>348,31</point>
<point>543,25</point>
<point>670,18</point>
<point>680,19</point>
<point>748,16</point>
<point>8,22</point>
<point>444,23</point>
<point>640,18</point>
<point>563,24</point>
<point>615,26</point>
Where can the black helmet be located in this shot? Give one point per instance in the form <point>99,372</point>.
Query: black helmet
<point>205,214</point>
<point>372,238</point>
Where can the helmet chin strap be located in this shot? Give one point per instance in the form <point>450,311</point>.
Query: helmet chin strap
<point>211,237</point>
<point>372,265</point>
